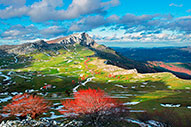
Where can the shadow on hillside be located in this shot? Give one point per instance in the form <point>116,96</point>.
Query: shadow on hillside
<point>175,116</point>
<point>22,81</point>
<point>13,61</point>
<point>119,60</point>
<point>127,91</point>
<point>178,74</point>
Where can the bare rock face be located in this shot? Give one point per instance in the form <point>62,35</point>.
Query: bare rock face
<point>24,48</point>
<point>53,45</point>
<point>80,38</point>
<point>29,47</point>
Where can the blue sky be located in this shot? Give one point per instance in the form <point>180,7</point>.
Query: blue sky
<point>149,21</point>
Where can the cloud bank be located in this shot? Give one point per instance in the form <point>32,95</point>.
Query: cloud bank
<point>58,19</point>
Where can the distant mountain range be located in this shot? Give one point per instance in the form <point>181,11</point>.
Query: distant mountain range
<point>171,59</point>
<point>165,54</point>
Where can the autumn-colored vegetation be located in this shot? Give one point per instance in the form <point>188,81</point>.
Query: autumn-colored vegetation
<point>1,118</point>
<point>88,101</point>
<point>85,63</point>
<point>92,103</point>
<point>24,104</point>
<point>170,67</point>
<point>73,82</point>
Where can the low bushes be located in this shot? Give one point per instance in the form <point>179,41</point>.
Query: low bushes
<point>94,107</point>
<point>24,104</point>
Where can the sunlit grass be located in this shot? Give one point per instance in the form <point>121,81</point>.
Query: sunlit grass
<point>69,65</point>
<point>154,95</point>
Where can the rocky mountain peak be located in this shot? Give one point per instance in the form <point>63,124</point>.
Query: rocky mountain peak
<point>39,46</point>
<point>81,38</point>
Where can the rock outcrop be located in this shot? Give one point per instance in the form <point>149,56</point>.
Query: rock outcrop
<point>30,47</point>
<point>53,45</point>
<point>80,38</point>
<point>39,123</point>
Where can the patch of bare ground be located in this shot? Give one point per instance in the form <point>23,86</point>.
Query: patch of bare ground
<point>111,68</point>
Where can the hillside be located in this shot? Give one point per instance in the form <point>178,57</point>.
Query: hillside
<point>164,59</point>
<point>58,68</point>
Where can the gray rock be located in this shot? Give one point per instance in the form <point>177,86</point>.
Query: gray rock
<point>42,46</point>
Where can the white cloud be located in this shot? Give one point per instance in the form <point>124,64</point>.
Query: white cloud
<point>88,23</point>
<point>81,7</point>
<point>184,18</point>
<point>91,22</point>
<point>20,32</point>
<point>10,12</point>
<point>176,5</point>
<point>46,9</point>
<point>53,31</point>
<point>109,4</point>
<point>166,36</point>
<point>31,32</point>
<point>189,10</point>
<point>113,18</point>
<point>14,3</point>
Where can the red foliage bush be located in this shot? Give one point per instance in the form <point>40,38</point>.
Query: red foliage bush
<point>96,72</point>
<point>94,107</point>
<point>73,82</point>
<point>88,101</point>
<point>109,75</point>
<point>26,104</point>
<point>83,77</point>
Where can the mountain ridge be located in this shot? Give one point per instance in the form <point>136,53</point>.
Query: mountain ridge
<point>82,39</point>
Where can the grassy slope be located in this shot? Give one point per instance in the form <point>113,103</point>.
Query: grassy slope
<point>60,70</point>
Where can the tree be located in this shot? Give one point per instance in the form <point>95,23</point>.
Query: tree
<point>24,104</point>
<point>94,105</point>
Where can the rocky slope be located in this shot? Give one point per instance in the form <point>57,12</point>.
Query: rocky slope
<point>82,39</point>
<point>25,48</point>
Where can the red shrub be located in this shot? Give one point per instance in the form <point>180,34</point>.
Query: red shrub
<point>85,62</point>
<point>73,82</point>
<point>88,101</point>
<point>109,75</point>
<point>26,104</point>
<point>83,77</point>
<point>47,86</point>
<point>95,108</point>
<point>97,72</point>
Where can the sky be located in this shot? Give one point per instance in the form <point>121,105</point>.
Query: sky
<point>153,22</point>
